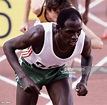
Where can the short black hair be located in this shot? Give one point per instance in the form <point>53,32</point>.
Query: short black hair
<point>67,13</point>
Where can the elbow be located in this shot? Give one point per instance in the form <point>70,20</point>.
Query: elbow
<point>97,44</point>
<point>101,44</point>
<point>7,46</point>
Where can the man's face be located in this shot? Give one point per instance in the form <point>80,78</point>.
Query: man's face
<point>71,31</point>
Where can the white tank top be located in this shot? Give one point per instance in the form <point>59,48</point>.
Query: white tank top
<point>46,58</point>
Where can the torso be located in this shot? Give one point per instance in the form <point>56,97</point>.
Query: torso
<point>49,54</point>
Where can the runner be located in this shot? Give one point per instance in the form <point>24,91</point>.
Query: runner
<point>45,62</point>
<point>52,11</point>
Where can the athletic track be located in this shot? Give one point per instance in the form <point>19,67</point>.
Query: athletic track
<point>97,84</point>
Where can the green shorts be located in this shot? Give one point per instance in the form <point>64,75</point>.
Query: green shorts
<point>40,76</point>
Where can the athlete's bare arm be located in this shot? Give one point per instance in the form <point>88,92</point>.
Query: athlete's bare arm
<point>32,37</point>
<point>35,6</point>
<point>85,14</point>
<point>86,64</point>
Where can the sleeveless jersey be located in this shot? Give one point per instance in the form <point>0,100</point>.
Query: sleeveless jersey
<point>42,15</point>
<point>46,58</point>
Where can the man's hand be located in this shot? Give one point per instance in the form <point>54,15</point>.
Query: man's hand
<point>85,18</point>
<point>24,27</point>
<point>81,89</point>
<point>29,85</point>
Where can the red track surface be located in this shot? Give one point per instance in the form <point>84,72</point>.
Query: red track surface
<point>97,83</point>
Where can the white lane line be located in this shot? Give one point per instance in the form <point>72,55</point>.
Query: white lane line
<point>77,60</point>
<point>7,80</point>
<point>3,57</point>
<point>97,20</point>
<point>11,82</point>
<point>49,103</point>
<point>103,69</point>
<point>96,2</point>
<point>91,16</point>
<point>93,4</point>
<point>75,83</point>
<point>44,95</point>
<point>103,61</point>
<point>99,64</point>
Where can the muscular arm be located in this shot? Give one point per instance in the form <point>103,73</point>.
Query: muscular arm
<point>25,26</point>
<point>27,10</point>
<point>86,60</point>
<point>31,38</point>
<point>87,2</point>
<point>35,6</point>
<point>86,64</point>
<point>9,50</point>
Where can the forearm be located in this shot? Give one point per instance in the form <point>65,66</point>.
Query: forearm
<point>86,64</point>
<point>27,10</point>
<point>13,60</point>
<point>87,2</point>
